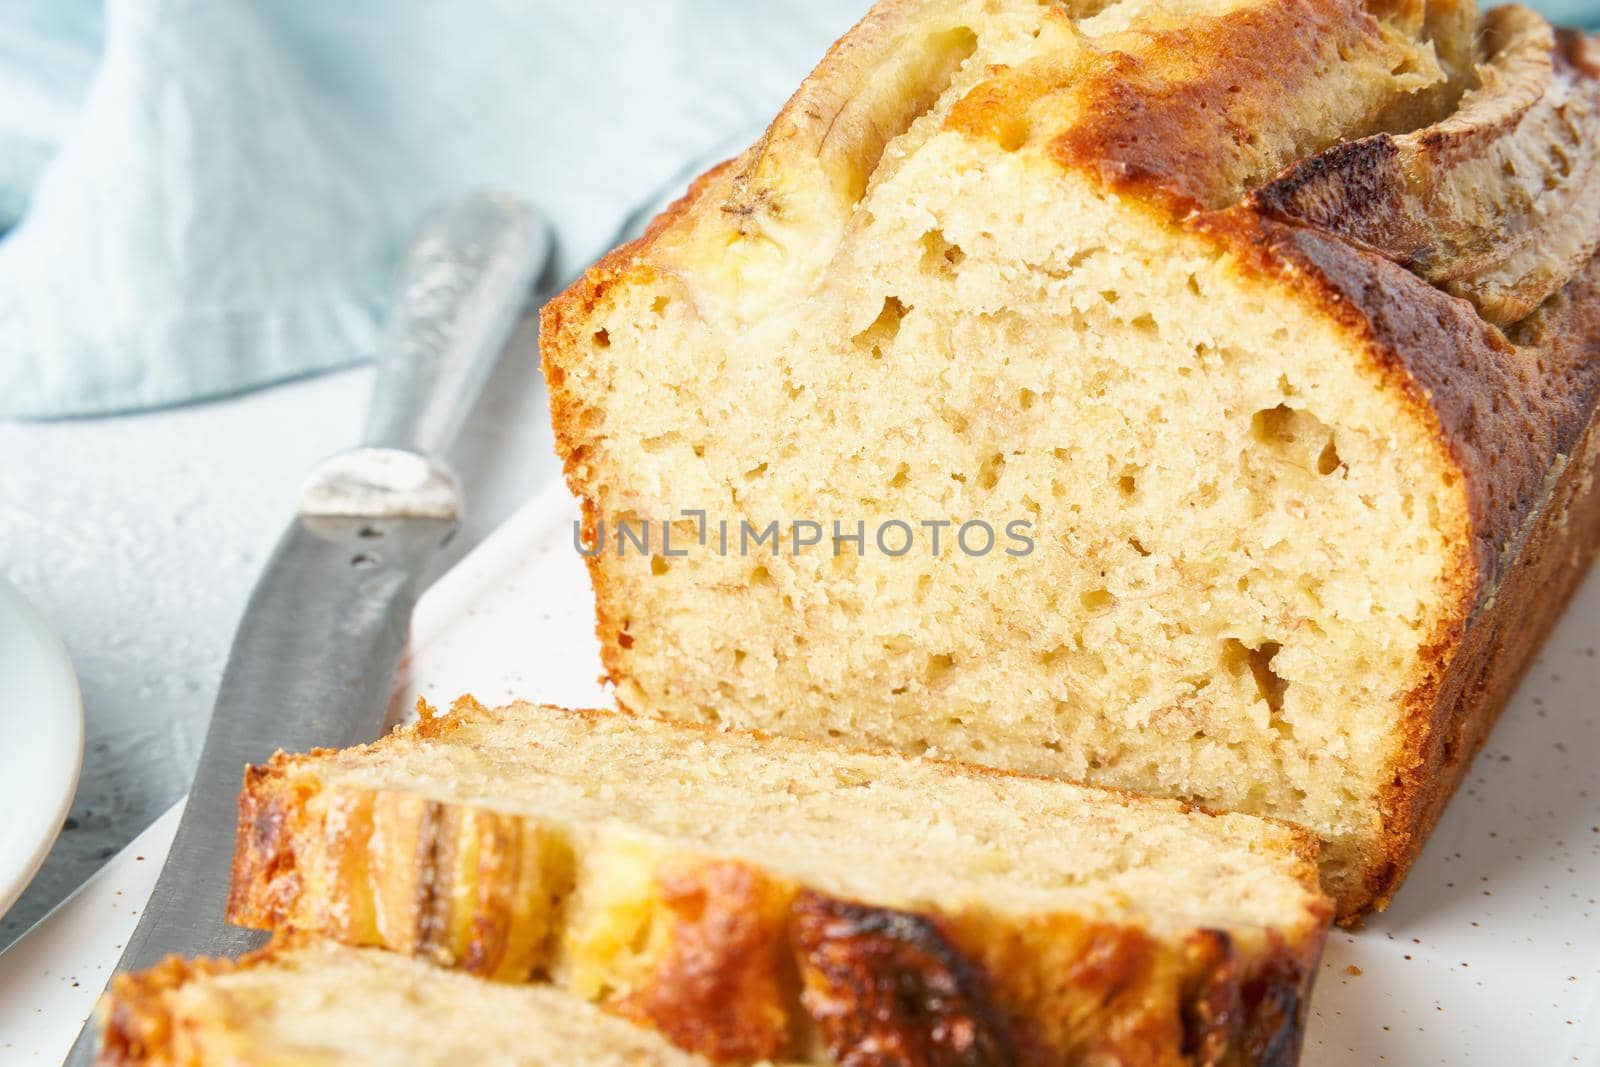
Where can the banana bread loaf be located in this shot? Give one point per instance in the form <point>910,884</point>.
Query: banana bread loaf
<point>758,898</point>
<point>1243,354</point>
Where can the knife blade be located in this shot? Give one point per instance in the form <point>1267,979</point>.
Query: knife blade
<point>314,657</point>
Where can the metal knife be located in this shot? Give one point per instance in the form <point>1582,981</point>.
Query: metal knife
<point>314,658</point>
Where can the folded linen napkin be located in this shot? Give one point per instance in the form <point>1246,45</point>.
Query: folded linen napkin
<point>220,205</point>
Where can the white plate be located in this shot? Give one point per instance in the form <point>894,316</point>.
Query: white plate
<point>41,740</point>
<point>1490,955</point>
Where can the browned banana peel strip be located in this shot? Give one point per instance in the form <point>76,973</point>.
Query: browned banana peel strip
<point>1499,203</point>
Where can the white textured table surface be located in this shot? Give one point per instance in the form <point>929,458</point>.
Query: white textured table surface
<point>140,538</point>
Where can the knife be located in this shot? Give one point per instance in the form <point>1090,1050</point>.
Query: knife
<point>314,657</point>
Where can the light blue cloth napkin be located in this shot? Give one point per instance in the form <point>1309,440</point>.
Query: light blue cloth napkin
<point>213,193</point>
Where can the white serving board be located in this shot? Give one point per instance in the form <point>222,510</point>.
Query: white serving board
<point>1490,955</point>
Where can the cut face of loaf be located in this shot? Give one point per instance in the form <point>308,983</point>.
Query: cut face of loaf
<point>316,1004</point>
<point>1188,289</point>
<point>757,898</point>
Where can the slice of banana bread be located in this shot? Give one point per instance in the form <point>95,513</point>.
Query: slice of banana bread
<point>311,1003</point>
<point>759,898</point>
<point>1185,396</point>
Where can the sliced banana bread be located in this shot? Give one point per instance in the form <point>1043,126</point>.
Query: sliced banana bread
<point>759,898</point>
<point>317,1004</point>
<point>1271,324</point>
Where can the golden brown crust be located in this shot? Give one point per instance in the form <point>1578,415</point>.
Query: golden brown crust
<point>1192,110</point>
<point>726,981</point>
<point>135,1020</point>
<point>884,986</point>
<point>722,987</point>
<point>1453,710</point>
<point>1055,989</point>
<point>567,312</point>
<point>137,1024</point>
<point>463,887</point>
<point>888,986</point>
<point>265,851</point>
<point>1100,992</point>
<point>303,1001</point>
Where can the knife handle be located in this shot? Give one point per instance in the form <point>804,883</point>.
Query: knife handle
<point>463,284</point>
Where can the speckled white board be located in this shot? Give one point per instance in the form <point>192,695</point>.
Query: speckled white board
<point>1490,954</point>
